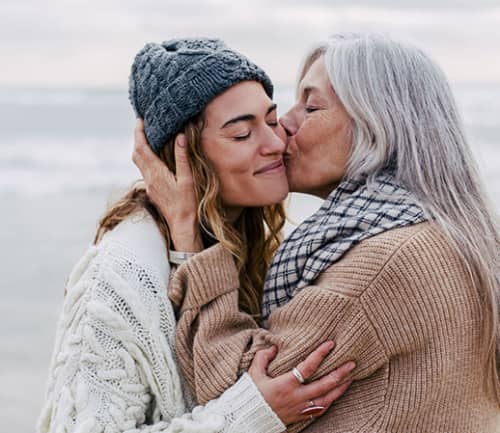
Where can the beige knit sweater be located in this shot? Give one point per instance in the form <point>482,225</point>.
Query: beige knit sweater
<point>399,304</point>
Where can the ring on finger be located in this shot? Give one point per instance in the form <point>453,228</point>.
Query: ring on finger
<point>298,375</point>
<point>312,410</point>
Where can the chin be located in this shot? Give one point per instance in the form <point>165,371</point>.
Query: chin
<point>277,196</point>
<point>274,200</point>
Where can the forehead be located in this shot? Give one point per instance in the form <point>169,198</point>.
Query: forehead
<point>316,80</point>
<point>247,97</point>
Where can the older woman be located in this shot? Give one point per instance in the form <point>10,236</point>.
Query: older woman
<point>399,265</point>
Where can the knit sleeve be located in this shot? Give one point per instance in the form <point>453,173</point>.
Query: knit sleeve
<point>113,370</point>
<point>216,342</point>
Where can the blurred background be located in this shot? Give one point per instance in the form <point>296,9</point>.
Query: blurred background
<point>66,125</point>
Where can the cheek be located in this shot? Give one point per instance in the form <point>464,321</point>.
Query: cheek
<point>234,169</point>
<point>227,157</point>
<point>311,139</point>
<point>340,143</point>
<point>323,147</point>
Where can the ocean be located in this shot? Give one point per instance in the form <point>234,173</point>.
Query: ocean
<point>64,153</point>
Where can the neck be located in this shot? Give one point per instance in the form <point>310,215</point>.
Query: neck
<point>232,213</point>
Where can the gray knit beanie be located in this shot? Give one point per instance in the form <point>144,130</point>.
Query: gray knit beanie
<point>173,81</point>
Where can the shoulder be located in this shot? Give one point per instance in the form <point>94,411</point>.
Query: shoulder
<point>401,251</point>
<point>131,255</point>
<point>127,268</point>
<point>140,237</point>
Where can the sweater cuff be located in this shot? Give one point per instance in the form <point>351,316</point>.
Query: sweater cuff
<point>210,274</point>
<point>245,409</point>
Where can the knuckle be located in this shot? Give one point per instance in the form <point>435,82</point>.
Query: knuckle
<point>185,181</point>
<point>321,402</point>
<point>324,387</point>
<point>138,153</point>
<point>142,149</point>
<point>259,356</point>
<point>334,378</point>
<point>306,371</point>
<point>313,360</point>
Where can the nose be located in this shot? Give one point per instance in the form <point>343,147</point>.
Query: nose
<point>289,123</point>
<point>275,141</point>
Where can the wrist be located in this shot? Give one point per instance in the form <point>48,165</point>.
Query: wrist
<point>186,239</point>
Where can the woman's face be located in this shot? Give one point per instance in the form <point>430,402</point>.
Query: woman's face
<point>244,142</point>
<point>319,135</point>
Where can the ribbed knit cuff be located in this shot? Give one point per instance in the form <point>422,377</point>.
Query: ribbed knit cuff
<point>211,273</point>
<point>245,405</point>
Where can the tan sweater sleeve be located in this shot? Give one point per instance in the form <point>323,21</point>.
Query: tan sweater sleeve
<point>216,342</point>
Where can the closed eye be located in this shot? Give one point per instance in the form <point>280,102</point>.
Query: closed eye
<point>243,137</point>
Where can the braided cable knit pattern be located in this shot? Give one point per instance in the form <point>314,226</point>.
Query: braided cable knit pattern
<point>114,369</point>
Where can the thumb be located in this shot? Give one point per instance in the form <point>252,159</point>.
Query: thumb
<point>182,167</point>
<point>261,361</point>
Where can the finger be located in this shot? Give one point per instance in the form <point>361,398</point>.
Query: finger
<point>329,381</point>
<point>139,133</point>
<point>182,167</point>
<point>261,361</point>
<point>142,154</point>
<point>315,358</point>
<point>333,395</point>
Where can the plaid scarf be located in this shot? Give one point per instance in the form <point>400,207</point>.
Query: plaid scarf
<point>354,211</point>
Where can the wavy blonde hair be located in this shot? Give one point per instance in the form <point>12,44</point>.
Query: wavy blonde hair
<point>404,114</point>
<point>252,239</point>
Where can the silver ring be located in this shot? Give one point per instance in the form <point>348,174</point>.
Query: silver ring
<point>298,375</point>
<point>311,417</point>
<point>311,403</point>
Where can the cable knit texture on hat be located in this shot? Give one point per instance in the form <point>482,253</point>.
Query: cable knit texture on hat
<point>173,81</point>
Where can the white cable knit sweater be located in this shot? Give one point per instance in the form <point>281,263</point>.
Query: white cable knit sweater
<point>114,368</point>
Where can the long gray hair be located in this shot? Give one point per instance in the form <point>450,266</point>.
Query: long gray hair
<point>404,115</point>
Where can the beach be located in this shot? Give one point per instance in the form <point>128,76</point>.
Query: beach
<point>64,154</point>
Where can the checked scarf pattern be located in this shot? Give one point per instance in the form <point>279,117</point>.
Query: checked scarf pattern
<point>354,211</point>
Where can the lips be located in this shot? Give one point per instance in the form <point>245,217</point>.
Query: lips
<point>276,165</point>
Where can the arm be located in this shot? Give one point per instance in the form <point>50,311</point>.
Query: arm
<point>216,341</point>
<point>175,198</point>
<point>112,369</point>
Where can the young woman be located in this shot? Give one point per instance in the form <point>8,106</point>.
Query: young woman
<point>400,264</point>
<point>114,367</point>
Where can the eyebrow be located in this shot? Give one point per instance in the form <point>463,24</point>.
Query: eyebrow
<point>308,89</point>
<point>247,117</point>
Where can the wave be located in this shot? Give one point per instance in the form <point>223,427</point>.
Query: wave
<point>44,167</point>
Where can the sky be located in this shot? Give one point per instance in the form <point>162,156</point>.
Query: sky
<point>91,43</point>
